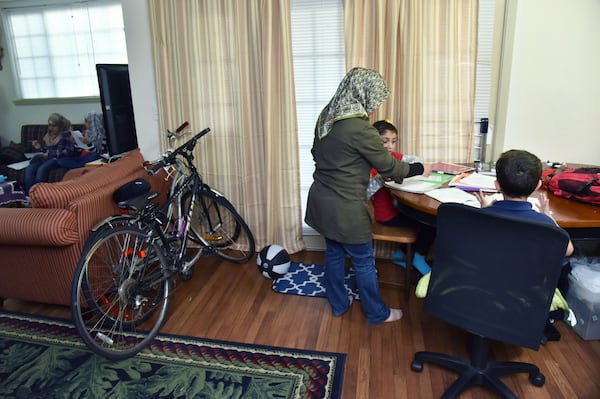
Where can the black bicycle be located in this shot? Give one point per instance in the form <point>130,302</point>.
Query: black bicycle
<point>122,285</point>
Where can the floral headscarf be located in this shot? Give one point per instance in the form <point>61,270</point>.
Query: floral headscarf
<point>96,130</point>
<point>359,93</point>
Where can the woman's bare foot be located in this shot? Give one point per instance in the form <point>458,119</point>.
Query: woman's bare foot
<point>395,315</point>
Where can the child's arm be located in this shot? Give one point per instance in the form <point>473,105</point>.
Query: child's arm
<point>484,200</point>
<point>545,209</point>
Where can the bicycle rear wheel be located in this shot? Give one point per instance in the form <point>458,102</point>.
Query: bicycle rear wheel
<point>216,225</point>
<point>119,293</point>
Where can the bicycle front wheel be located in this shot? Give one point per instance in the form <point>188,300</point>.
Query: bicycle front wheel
<point>119,293</point>
<point>216,225</point>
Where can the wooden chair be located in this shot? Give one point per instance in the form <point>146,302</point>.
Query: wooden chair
<point>405,236</point>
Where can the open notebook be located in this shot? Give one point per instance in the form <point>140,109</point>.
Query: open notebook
<point>420,184</point>
<point>453,194</point>
<point>19,165</point>
<point>474,182</point>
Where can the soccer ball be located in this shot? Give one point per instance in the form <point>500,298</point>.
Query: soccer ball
<point>273,261</point>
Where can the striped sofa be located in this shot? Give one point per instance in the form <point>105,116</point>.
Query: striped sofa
<point>40,246</point>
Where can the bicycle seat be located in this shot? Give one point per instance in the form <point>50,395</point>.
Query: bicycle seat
<point>130,190</point>
<point>138,203</point>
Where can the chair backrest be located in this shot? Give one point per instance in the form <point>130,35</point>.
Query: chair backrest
<point>494,275</point>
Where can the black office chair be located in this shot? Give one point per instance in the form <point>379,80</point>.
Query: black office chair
<point>494,277</point>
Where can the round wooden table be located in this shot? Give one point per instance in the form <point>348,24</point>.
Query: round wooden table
<point>582,221</point>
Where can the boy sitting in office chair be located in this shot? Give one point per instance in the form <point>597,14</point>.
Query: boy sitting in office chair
<point>518,175</point>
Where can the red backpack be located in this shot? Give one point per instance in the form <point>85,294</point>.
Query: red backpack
<point>581,184</point>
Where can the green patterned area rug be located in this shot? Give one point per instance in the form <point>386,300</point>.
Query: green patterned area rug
<point>45,358</point>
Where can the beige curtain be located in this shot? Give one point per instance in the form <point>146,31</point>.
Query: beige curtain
<point>426,50</point>
<point>227,65</point>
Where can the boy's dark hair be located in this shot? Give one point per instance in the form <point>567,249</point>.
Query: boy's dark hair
<point>384,125</point>
<point>518,173</point>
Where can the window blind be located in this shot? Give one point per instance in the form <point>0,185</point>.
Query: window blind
<point>319,66</point>
<point>57,46</point>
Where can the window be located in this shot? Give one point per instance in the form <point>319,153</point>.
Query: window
<point>484,71</point>
<point>56,47</point>
<point>319,66</point>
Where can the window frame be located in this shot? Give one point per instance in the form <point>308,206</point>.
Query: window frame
<point>91,55</point>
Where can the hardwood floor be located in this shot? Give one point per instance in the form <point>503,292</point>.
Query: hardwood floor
<point>234,302</point>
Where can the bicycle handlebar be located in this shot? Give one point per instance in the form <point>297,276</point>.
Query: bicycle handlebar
<point>169,159</point>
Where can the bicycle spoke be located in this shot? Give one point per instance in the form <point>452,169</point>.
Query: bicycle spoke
<point>121,296</point>
<point>216,224</point>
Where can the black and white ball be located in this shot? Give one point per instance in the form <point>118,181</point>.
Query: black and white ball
<point>273,261</point>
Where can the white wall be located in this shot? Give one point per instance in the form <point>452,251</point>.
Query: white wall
<point>550,81</point>
<point>141,76</point>
<point>549,87</point>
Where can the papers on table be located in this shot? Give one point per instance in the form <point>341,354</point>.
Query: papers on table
<point>456,195</point>
<point>19,165</point>
<point>30,155</point>
<point>453,194</point>
<point>420,184</point>
<point>474,182</point>
<point>450,168</point>
<point>97,162</point>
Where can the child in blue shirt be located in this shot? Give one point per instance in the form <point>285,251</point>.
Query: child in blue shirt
<point>518,175</point>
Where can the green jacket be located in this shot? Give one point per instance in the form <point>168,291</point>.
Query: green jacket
<point>337,203</point>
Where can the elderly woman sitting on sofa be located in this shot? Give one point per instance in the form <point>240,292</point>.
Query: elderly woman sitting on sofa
<point>56,143</point>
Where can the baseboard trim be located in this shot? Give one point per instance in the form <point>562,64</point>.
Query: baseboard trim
<point>314,242</point>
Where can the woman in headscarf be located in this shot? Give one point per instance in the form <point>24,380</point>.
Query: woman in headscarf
<point>94,123</point>
<point>345,148</point>
<point>57,143</point>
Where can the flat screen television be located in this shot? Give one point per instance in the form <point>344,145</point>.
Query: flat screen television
<point>117,108</point>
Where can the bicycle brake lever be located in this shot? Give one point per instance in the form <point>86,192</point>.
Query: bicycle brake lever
<point>183,126</point>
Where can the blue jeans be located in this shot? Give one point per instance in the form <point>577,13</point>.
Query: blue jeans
<point>78,161</point>
<point>363,262</point>
<point>38,171</point>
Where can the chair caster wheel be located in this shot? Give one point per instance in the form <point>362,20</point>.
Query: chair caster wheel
<point>538,380</point>
<point>417,366</point>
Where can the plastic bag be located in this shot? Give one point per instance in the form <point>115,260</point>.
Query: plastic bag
<point>586,271</point>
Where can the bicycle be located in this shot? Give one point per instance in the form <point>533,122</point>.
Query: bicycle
<point>124,279</point>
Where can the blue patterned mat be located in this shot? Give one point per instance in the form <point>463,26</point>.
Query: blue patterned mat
<point>307,280</point>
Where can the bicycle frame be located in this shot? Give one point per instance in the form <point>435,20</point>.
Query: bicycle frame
<point>129,264</point>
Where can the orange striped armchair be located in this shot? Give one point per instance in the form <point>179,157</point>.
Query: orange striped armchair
<point>40,246</point>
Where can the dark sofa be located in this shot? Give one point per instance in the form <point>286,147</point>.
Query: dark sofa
<point>15,152</point>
